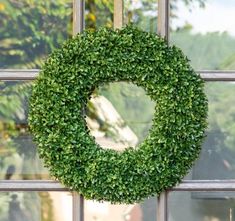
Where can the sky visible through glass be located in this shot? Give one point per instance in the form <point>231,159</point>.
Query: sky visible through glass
<point>216,16</point>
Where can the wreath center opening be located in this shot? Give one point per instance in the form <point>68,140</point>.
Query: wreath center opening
<point>119,115</point>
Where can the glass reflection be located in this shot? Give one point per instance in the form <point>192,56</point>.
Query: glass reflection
<point>31,29</point>
<point>105,211</point>
<point>217,159</point>
<point>142,13</point>
<point>98,14</point>
<point>18,155</point>
<point>204,30</point>
<point>184,206</point>
<point>35,206</point>
<point>120,115</point>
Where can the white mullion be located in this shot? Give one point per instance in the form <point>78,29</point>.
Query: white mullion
<point>50,185</point>
<point>118,14</point>
<point>31,185</point>
<point>217,75</point>
<point>78,16</point>
<point>163,19</point>
<point>162,206</point>
<point>31,74</point>
<point>78,27</point>
<point>18,74</point>
<point>78,207</point>
<point>205,185</point>
<point>163,31</point>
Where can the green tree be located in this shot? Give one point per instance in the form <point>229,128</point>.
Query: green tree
<point>30,29</point>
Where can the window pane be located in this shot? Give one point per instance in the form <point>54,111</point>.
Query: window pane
<point>121,116</point>
<point>204,30</point>
<point>105,211</point>
<point>119,119</point>
<point>35,206</point>
<point>143,13</point>
<point>30,29</point>
<point>98,14</point>
<point>18,154</point>
<point>201,206</point>
<point>217,159</point>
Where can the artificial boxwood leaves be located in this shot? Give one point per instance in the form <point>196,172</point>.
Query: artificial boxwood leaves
<point>63,88</point>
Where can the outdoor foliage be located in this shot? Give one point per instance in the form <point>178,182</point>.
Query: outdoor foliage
<point>60,96</point>
<point>133,104</point>
<point>30,29</point>
<point>98,13</point>
<point>216,50</point>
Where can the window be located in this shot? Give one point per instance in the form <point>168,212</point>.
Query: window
<point>37,27</point>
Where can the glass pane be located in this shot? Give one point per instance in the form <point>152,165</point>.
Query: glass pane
<point>142,13</point>
<point>217,159</point>
<point>204,30</point>
<point>35,206</point>
<point>105,211</point>
<point>18,154</point>
<point>98,14</point>
<point>120,116</point>
<point>30,29</point>
<point>201,206</point>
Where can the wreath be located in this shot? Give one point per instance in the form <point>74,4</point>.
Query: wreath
<point>58,105</point>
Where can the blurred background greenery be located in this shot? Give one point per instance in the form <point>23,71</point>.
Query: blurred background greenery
<point>31,29</point>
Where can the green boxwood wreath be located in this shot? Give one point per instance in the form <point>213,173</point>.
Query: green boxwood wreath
<point>59,99</point>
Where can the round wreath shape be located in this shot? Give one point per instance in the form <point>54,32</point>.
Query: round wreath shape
<point>63,88</point>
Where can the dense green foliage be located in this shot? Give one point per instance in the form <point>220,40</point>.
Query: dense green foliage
<point>60,96</point>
